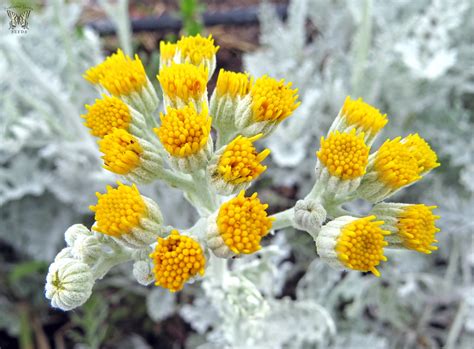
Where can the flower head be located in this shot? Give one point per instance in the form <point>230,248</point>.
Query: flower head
<point>272,100</point>
<point>119,74</point>
<point>184,132</point>
<point>127,216</point>
<point>421,150</point>
<point>107,114</point>
<point>396,165</point>
<point>416,226</point>
<point>240,162</point>
<point>363,116</point>
<point>121,151</point>
<point>167,53</point>
<point>233,84</point>
<point>239,226</point>
<point>183,83</point>
<point>345,155</point>
<point>413,226</point>
<point>196,49</point>
<point>176,259</point>
<point>353,243</point>
<point>119,210</point>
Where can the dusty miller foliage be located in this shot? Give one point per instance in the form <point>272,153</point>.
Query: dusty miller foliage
<point>410,59</point>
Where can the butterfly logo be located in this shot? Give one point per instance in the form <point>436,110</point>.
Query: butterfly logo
<point>18,19</point>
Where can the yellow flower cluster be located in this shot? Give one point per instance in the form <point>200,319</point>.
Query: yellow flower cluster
<point>184,131</point>
<point>121,152</point>
<point>233,84</point>
<point>360,244</point>
<point>416,226</point>
<point>242,222</point>
<point>272,100</point>
<point>345,155</point>
<point>185,82</point>
<point>240,162</point>
<point>118,74</point>
<point>176,259</point>
<point>119,210</point>
<point>364,116</point>
<point>105,115</point>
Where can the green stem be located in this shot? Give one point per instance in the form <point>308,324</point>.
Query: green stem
<point>283,219</point>
<point>361,48</point>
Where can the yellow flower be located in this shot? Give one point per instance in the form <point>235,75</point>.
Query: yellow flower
<point>421,150</point>
<point>353,243</point>
<point>107,114</point>
<point>413,226</point>
<point>233,168</point>
<point>362,116</point>
<point>233,84</point>
<point>118,74</point>
<point>197,49</point>
<point>183,132</point>
<point>121,151</point>
<point>130,218</point>
<point>183,83</point>
<point>345,155</point>
<point>176,259</point>
<point>416,226</point>
<point>239,226</point>
<point>272,100</point>
<point>167,53</point>
<point>396,165</point>
<point>240,161</point>
<point>119,210</point>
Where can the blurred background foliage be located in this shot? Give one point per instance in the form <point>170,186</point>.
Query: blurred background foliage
<point>413,60</point>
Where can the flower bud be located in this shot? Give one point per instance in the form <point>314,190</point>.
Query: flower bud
<point>309,216</point>
<point>143,272</point>
<point>69,283</point>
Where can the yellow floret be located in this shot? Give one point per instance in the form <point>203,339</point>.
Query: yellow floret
<point>272,100</point>
<point>176,259</point>
<point>119,74</point>
<point>345,155</point>
<point>184,132</point>
<point>121,152</point>
<point>421,150</point>
<point>360,244</point>
<point>242,222</point>
<point>395,164</point>
<point>196,48</point>
<point>240,161</point>
<point>119,210</point>
<point>105,115</point>
<point>183,81</point>
<point>360,114</point>
<point>233,84</point>
<point>167,51</point>
<point>416,226</point>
